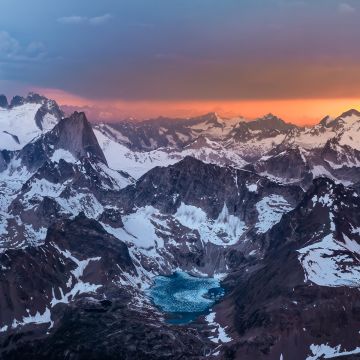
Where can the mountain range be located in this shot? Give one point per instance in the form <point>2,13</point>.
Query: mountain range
<point>91,212</point>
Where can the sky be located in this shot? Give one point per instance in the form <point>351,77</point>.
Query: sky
<point>143,58</point>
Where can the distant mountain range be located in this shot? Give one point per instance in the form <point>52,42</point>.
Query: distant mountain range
<point>268,145</point>
<point>90,213</point>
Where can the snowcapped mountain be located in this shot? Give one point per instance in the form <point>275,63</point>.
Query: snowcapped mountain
<point>66,164</point>
<point>136,147</point>
<point>268,146</point>
<point>25,119</point>
<point>137,163</point>
<point>89,214</point>
<point>328,149</point>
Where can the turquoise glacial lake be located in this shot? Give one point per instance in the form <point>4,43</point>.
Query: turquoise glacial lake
<point>183,297</point>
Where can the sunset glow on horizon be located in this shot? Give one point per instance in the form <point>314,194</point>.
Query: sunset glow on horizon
<point>298,111</point>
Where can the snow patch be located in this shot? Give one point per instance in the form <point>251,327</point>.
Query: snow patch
<point>327,352</point>
<point>77,285</point>
<point>225,230</point>
<point>330,262</point>
<point>220,335</point>
<point>64,155</point>
<point>38,318</point>
<point>252,187</point>
<point>271,209</point>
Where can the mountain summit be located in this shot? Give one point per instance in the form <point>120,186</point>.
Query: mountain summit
<point>76,135</point>
<point>72,138</point>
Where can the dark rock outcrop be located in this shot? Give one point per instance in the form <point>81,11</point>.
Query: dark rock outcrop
<point>195,183</point>
<point>49,107</point>
<point>277,310</point>
<point>73,134</point>
<point>96,324</point>
<point>17,101</point>
<point>3,102</point>
<point>77,259</point>
<point>111,330</point>
<point>179,133</point>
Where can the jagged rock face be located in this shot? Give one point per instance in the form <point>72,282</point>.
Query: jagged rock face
<point>288,165</point>
<point>326,209</point>
<point>305,291</point>
<point>59,174</point>
<point>116,332</point>
<point>78,257</point>
<point>288,153</point>
<point>31,98</point>
<point>195,183</point>
<point>56,191</point>
<point>5,157</point>
<point>3,102</point>
<point>188,221</point>
<point>292,164</point>
<point>340,121</point>
<point>267,127</point>
<point>204,216</point>
<point>163,132</point>
<point>111,217</point>
<point>139,146</point>
<point>340,156</point>
<point>17,101</point>
<point>73,135</point>
<point>356,187</point>
<point>50,107</point>
<point>270,307</point>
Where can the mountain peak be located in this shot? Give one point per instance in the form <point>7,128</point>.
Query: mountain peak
<point>211,118</point>
<point>326,120</point>
<point>271,121</point>
<point>346,117</point>
<point>351,112</point>
<point>78,116</point>
<point>270,116</point>
<point>76,135</point>
<point>31,98</point>
<point>72,137</point>
<point>17,101</point>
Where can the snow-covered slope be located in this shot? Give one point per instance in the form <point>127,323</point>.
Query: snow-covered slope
<point>332,259</point>
<point>18,126</point>
<point>137,163</point>
<point>25,120</point>
<point>138,147</point>
<point>61,172</point>
<point>345,127</point>
<point>328,149</point>
<point>282,151</point>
